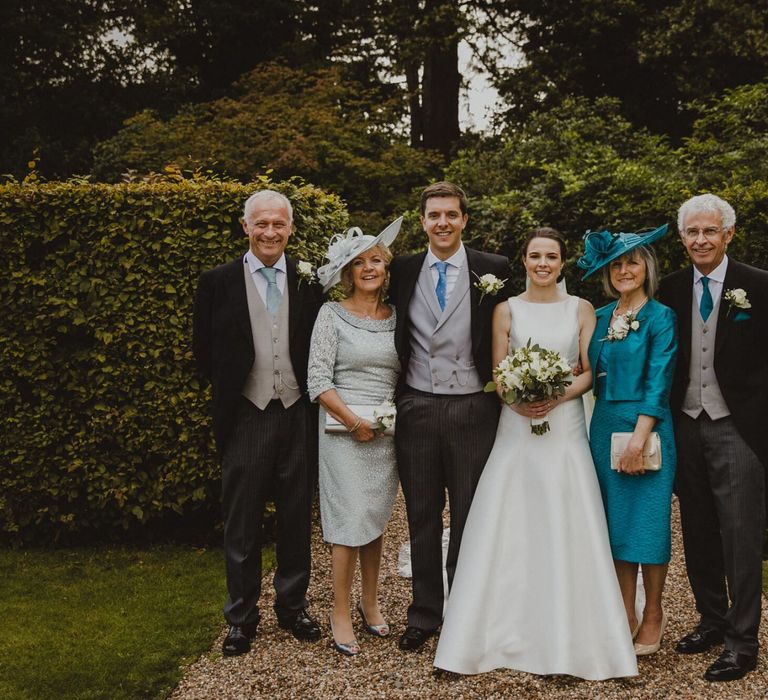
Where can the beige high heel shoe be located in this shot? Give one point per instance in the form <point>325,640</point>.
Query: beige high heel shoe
<point>647,649</point>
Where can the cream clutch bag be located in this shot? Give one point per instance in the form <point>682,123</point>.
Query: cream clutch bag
<point>366,412</point>
<point>651,450</point>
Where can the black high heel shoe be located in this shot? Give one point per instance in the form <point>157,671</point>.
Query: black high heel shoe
<point>375,630</point>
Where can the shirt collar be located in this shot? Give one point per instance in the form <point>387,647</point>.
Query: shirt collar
<point>255,264</point>
<point>717,275</point>
<point>457,259</point>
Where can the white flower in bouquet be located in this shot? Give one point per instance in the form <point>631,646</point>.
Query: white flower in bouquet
<point>488,284</point>
<point>384,416</point>
<point>531,373</point>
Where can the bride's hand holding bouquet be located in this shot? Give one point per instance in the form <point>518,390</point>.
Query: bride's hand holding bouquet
<point>531,381</point>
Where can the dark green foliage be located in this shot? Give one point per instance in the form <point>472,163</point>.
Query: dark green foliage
<point>106,425</point>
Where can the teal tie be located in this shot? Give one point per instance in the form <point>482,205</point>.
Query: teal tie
<point>706,305</point>
<point>440,288</point>
<point>273,292</point>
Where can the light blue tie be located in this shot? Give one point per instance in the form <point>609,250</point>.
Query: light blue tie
<point>273,291</point>
<point>440,288</point>
<point>706,305</point>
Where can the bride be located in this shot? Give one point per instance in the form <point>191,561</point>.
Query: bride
<point>535,589</point>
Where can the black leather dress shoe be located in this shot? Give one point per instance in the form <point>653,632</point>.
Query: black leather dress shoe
<point>699,641</point>
<point>302,626</point>
<point>414,637</point>
<point>730,666</point>
<point>238,640</point>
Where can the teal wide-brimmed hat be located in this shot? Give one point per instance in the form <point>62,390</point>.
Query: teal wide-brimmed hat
<point>600,247</point>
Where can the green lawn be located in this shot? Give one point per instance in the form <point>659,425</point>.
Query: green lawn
<point>105,622</point>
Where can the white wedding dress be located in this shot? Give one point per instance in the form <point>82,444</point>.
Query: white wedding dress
<point>535,587</point>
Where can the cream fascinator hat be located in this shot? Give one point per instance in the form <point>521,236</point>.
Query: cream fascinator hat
<point>345,247</point>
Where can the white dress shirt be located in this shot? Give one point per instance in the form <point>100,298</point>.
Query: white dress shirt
<point>716,282</point>
<point>456,263</point>
<point>254,264</point>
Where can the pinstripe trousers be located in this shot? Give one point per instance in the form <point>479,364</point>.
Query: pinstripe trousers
<point>270,453</point>
<point>442,441</point>
<point>720,484</point>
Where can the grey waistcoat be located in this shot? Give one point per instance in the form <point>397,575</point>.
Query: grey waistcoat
<point>271,376</point>
<point>441,341</point>
<point>703,393</point>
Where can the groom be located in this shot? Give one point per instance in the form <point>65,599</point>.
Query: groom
<point>720,402</point>
<point>446,424</point>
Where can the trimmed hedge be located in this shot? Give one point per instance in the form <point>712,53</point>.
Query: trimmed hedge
<point>106,423</point>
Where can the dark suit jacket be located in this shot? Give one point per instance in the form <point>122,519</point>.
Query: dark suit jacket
<point>404,273</point>
<point>223,342</point>
<point>741,349</point>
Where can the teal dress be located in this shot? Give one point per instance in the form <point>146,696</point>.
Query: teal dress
<point>633,376</point>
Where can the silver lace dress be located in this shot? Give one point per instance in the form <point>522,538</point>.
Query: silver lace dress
<point>358,480</point>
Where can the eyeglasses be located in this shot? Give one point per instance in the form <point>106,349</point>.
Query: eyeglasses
<point>709,232</point>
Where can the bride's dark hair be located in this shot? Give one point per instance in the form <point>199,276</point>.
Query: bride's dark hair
<point>552,234</point>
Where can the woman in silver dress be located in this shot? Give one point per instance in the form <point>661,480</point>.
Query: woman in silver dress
<point>353,362</point>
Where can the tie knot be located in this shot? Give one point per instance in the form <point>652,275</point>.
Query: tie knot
<point>270,274</point>
<point>705,282</point>
<point>441,266</point>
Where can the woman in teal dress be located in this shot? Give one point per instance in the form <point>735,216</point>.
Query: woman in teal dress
<point>632,353</point>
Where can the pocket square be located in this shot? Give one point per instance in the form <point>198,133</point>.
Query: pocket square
<point>741,316</point>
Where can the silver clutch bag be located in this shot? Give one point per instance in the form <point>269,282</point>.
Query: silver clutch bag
<point>366,412</point>
<point>651,450</point>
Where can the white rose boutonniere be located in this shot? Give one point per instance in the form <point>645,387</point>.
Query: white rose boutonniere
<point>488,284</point>
<point>737,299</point>
<point>305,271</point>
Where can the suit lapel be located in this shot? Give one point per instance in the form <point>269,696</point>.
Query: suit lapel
<point>294,302</point>
<point>723,319</point>
<point>236,290</point>
<point>425,288</point>
<point>682,298</point>
<point>457,295</point>
<point>474,265</point>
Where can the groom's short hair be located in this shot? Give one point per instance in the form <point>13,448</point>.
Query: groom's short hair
<point>443,189</point>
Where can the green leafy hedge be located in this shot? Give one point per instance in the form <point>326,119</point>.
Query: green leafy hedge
<point>106,425</point>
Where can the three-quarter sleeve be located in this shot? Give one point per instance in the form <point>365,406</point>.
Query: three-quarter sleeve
<point>322,354</point>
<point>660,368</point>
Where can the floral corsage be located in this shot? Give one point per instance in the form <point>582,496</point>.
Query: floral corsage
<point>737,299</point>
<point>488,284</point>
<point>622,326</point>
<point>305,272</point>
<point>384,417</point>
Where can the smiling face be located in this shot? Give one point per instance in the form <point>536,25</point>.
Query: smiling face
<point>268,226</point>
<point>627,273</point>
<point>543,261</point>
<point>443,223</point>
<point>706,250</point>
<point>369,271</point>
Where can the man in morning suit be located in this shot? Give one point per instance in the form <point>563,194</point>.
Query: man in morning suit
<point>446,424</point>
<point>720,402</point>
<point>252,325</point>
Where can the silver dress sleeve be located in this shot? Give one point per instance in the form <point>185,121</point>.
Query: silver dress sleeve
<point>322,354</point>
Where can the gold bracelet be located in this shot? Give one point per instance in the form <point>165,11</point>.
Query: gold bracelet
<point>355,426</point>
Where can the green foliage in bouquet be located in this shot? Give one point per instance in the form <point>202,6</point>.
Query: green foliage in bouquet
<point>106,423</point>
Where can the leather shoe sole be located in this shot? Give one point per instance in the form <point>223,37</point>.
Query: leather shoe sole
<point>730,666</point>
<point>414,637</point>
<point>699,641</point>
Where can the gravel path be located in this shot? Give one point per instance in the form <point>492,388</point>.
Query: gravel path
<point>280,667</point>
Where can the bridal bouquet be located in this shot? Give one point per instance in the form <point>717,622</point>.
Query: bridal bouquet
<point>531,373</point>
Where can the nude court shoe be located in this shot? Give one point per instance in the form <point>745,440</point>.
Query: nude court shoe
<point>647,649</point>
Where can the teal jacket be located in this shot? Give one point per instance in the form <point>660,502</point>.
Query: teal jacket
<point>641,366</point>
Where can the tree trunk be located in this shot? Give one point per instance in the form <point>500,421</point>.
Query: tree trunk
<point>414,103</point>
<point>441,80</point>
